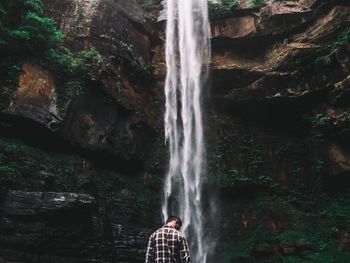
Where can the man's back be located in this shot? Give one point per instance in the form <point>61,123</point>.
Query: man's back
<point>167,245</point>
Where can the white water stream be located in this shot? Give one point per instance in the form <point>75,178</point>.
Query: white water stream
<point>187,56</point>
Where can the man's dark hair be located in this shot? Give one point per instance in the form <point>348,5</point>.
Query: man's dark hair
<point>174,218</point>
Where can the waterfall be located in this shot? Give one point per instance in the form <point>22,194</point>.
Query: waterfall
<point>187,56</point>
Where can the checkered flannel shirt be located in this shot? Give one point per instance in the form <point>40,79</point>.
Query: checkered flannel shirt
<point>167,245</point>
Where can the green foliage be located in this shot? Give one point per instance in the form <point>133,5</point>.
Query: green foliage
<point>26,168</point>
<point>24,31</point>
<point>35,5</point>
<point>316,228</point>
<point>85,62</point>
<point>290,237</point>
<point>255,3</point>
<point>320,120</point>
<point>73,70</point>
<point>26,35</point>
<point>334,49</point>
<point>23,167</point>
<point>252,154</point>
<point>126,47</point>
<point>222,8</point>
<point>233,179</point>
<point>139,68</point>
<point>148,5</point>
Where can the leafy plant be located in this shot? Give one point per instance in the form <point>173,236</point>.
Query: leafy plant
<point>147,5</point>
<point>27,35</point>
<point>334,49</point>
<point>255,3</point>
<point>320,120</point>
<point>222,8</point>
<point>24,31</point>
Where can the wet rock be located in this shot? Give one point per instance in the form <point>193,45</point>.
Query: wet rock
<point>344,243</point>
<point>270,78</point>
<point>299,247</point>
<point>99,124</point>
<point>102,23</point>
<point>264,250</point>
<point>288,249</point>
<point>303,246</point>
<point>35,97</point>
<point>234,27</point>
<point>340,159</point>
<point>274,19</point>
<point>32,203</point>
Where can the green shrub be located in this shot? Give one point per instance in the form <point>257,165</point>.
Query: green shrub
<point>255,3</point>
<point>24,31</point>
<point>222,8</point>
<point>147,5</point>
<point>28,36</point>
<point>334,49</point>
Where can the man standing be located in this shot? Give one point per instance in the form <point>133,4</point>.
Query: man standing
<point>168,245</point>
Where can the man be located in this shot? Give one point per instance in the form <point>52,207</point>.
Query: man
<point>168,245</point>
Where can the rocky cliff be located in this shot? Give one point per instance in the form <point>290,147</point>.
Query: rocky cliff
<point>81,166</point>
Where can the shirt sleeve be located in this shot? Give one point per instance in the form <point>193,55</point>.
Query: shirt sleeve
<point>150,251</point>
<point>185,252</point>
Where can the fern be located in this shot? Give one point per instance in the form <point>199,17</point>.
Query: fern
<point>334,49</point>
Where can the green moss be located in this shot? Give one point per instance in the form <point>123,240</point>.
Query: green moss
<point>27,35</point>
<point>24,30</point>
<point>317,228</point>
<point>148,5</point>
<point>255,3</point>
<point>140,69</point>
<point>222,8</point>
<point>26,168</point>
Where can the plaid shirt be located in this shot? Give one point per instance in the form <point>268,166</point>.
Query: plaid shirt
<point>167,245</point>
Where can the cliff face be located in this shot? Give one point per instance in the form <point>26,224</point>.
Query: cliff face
<point>278,114</point>
<point>74,182</point>
<point>81,177</point>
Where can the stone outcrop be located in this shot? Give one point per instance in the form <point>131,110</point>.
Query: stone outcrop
<point>272,20</point>
<point>274,65</point>
<point>35,97</point>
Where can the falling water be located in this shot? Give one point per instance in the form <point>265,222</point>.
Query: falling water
<point>187,54</point>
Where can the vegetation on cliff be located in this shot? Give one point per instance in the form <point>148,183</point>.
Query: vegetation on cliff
<point>223,8</point>
<point>26,35</point>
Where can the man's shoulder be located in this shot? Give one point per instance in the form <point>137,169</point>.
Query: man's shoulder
<point>177,233</point>
<point>168,230</point>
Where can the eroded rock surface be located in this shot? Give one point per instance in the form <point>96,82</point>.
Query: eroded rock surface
<point>35,97</point>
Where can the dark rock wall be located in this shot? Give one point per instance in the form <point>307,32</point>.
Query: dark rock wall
<point>75,186</point>
<point>272,131</point>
